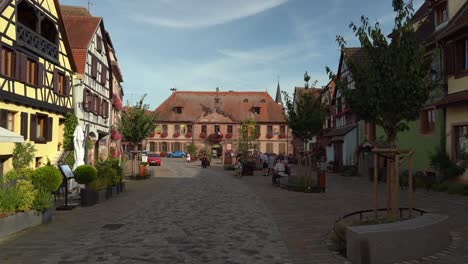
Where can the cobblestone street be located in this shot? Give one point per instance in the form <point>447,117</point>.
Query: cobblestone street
<point>186,214</point>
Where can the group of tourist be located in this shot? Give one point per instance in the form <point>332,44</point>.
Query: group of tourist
<point>275,165</point>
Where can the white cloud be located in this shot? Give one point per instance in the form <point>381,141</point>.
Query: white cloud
<point>188,14</point>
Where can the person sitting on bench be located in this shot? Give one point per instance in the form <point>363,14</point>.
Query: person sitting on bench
<point>279,171</point>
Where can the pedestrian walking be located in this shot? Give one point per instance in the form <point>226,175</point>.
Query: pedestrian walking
<point>265,160</point>
<point>239,168</point>
<point>188,157</point>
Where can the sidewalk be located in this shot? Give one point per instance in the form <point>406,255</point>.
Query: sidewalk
<point>304,219</point>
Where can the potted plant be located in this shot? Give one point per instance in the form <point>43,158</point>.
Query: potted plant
<point>143,169</point>
<point>86,174</point>
<point>46,180</point>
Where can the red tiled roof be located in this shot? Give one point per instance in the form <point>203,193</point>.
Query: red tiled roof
<point>236,106</point>
<point>80,31</point>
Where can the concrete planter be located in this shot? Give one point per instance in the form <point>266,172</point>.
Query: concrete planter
<point>88,197</point>
<point>114,190</point>
<point>20,221</point>
<point>102,195</point>
<point>395,242</point>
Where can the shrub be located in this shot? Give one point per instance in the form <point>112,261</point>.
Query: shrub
<point>440,187</point>
<point>70,159</point>
<point>42,201</point>
<point>8,200</point>
<point>109,174</point>
<point>23,155</point>
<point>445,167</point>
<point>338,237</point>
<point>48,178</point>
<point>18,174</point>
<point>85,174</point>
<point>26,195</point>
<point>99,184</point>
<point>455,188</point>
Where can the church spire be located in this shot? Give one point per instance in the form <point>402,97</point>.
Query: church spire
<point>278,99</point>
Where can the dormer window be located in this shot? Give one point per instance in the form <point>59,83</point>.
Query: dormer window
<point>263,101</point>
<point>256,110</point>
<point>441,13</point>
<point>246,100</point>
<point>178,110</point>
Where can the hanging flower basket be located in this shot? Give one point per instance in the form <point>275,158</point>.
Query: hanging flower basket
<point>115,135</point>
<point>164,134</point>
<point>228,135</point>
<point>117,102</point>
<point>188,135</point>
<point>282,135</point>
<point>269,135</point>
<point>176,134</point>
<point>202,135</point>
<point>215,138</point>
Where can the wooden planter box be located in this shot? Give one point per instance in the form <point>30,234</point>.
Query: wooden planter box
<point>20,221</point>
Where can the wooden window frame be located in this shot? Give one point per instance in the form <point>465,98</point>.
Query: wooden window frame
<point>256,110</point>
<point>439,10</point>
<point>164,128</point>
<point>426,126</point>
<point>31,64</point>
<point>176,128</point>
<point>270,130</point>
<point>178,110</point>
<point>60,83</point>
<point>454,140</point>
<point>8,72</point>
<point>282,129</point>
<point>203,129</point>
<point>189,129</point>
<point>40,127</point>
<point>217,128</point>
<point>230,129</point>
<point>99,43</point>
<point>12,116</point>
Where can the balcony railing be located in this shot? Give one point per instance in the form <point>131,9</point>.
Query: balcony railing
<point>35,42</point>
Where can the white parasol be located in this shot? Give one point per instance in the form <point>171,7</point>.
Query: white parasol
<point>78,139</point>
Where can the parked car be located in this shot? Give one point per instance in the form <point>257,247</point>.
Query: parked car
<point>154,159</point>
<point>176,154</point>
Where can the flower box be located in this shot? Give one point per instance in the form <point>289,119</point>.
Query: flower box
<point>269,135</point>
<point>188,135</point>
<point>282,135</point>
<point>202,135</point>
<point>257,136</point>
<point>176,134</point>
<point>18,222</point>
<point>164,134</point>
<point>228,135</point>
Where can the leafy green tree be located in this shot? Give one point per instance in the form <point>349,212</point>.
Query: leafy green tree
<point>71,121</point>
<point>23,155</point>
<point>305,115</point>
<point>392,81</point>
<point>247,140</point>
<point>137,122</point>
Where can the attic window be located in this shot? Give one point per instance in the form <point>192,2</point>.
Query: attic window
<point>178,110</point>
<point>441,13</point>
<point>263,101</point>
<point>246,100</point>
<point>256,110</point>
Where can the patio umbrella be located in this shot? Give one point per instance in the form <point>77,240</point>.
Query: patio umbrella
<point>8,136</point>
<point>78,139</point>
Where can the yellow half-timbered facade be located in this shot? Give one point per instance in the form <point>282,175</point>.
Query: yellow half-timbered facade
<point>36,75</point>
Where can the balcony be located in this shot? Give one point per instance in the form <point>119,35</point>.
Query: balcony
<point>35,42</point>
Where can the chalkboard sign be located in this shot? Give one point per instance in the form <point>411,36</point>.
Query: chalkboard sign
<point>66,171</point>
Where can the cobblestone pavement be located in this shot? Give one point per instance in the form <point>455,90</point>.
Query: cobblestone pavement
<point>184,215</point>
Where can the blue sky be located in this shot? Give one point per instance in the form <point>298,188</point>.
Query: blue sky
<point>237,45</point>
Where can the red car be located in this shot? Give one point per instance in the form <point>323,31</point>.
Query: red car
<point>154,159</point>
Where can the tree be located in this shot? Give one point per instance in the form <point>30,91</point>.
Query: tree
<point>305,115</point>
<point>137,122</point>
<point>391,82</point>
<point>247,141</point>
<point>23,155</point>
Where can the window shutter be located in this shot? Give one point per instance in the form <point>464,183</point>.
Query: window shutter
<point>32,128</point>
<point>24,125</point>
<point>49,128</point>
<point>103,75</point>
<point>56,81</point>
<point>40,75</point>
<point>67,86</point>
<point>449,59</point>
<point>91,102</point>
<point>3,118</point>
<point>94,67</point>
<point>85,100</point>
<point>99,43</point>
<point>20,66</point>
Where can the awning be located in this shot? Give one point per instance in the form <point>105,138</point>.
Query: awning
<point>10,137</point>
<point>339,131</point>
<point>452,99</point>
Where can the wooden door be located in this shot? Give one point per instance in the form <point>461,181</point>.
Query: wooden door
<point>338,151</point>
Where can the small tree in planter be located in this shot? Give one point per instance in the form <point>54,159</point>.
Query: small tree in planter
<point>192,150</point>
<point>23,155</point>
<point>86,174</point>
<point>47,178</point>
<point>246,144</point>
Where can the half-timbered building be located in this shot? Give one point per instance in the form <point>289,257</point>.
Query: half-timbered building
<point>93,81</point>
<point>35,77</point>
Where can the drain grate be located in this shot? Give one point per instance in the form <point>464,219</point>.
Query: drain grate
<point>112,226</point>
